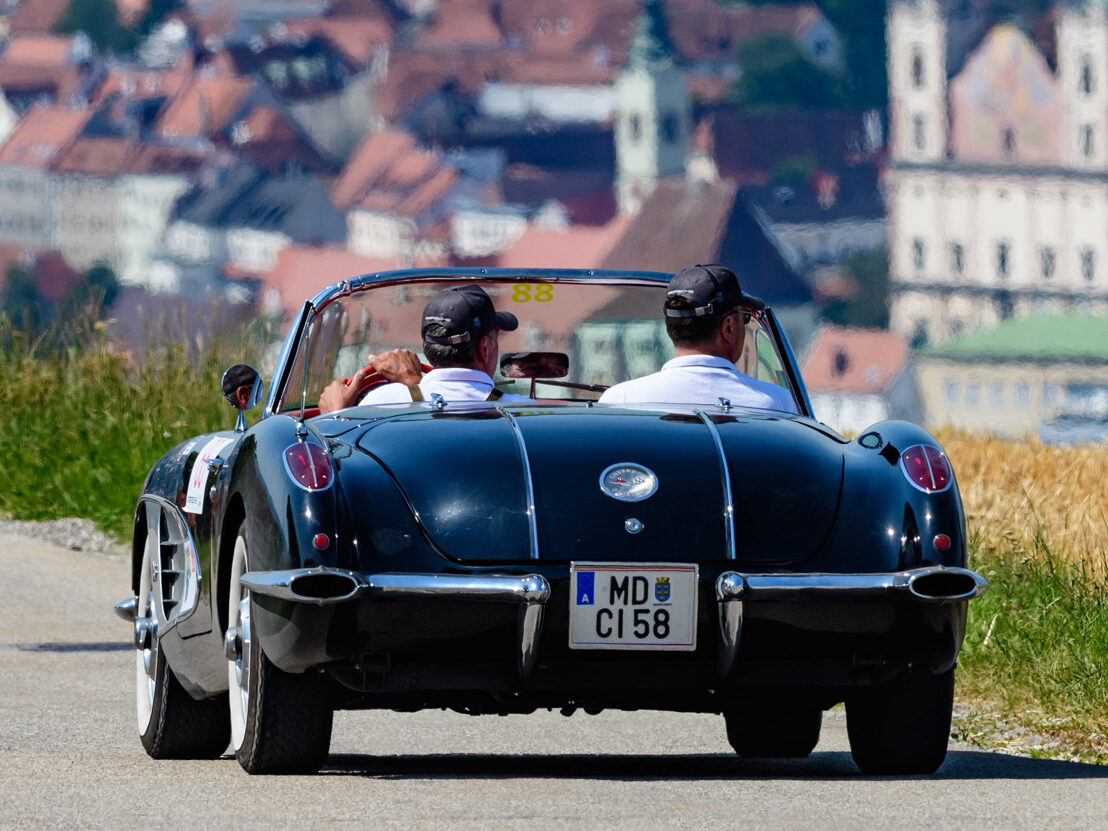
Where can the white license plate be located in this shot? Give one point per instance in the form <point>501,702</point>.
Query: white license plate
<point>632,606</point>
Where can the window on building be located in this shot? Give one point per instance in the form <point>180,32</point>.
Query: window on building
<point>957,258</point>
<point>919,136</point>
<point>1088,146</point>
<point>1047,262</point>
<point>917,68</point>
<point>1002,256</point>
<point>1087,83</point>
<point>1050,394</point>
<point>669,128</point>
<point>996,394</point>
<point>1088,264</point>
<point>950,392</point>
<point>973,394</point>
<point>1009,142</point>
<point>1023,395</point>
<point>919,254</point>
<point>634,124</point>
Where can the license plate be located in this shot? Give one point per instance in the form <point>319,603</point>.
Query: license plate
<point>632,606</point>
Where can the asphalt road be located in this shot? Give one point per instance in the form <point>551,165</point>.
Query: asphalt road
<point>70,755</point>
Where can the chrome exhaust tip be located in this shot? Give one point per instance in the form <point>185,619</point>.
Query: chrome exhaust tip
<point>946,585</point>
<point>323,587</point>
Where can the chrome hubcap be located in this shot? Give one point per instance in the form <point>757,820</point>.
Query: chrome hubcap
<point>237,646</point>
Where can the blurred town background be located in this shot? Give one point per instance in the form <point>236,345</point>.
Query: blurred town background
<point>918,187</point>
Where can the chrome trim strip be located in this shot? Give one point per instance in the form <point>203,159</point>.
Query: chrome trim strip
<point>728,496</point>
<point>793,586</point>
<point>532,517</point>
<point>528,589</point>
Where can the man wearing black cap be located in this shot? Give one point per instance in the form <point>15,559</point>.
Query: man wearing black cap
<point>705,313</point>
<point>460,339</point>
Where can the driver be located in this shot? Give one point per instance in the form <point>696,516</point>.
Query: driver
<point>460,339</point>
<point>705,312</point>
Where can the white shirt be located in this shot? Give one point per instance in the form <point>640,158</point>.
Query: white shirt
<point>452,383</point>
<point>700,379</point>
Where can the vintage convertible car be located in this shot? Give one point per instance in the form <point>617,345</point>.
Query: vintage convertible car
<point>499,558</point>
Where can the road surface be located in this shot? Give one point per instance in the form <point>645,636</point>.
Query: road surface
<point>70,755</point>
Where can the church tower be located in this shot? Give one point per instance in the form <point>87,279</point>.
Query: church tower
<point>1082,49</point>
<point>916,37</point>
<point>653,118</point>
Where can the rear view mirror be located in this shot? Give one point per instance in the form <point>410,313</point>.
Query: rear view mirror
<point>242,387</point>
<point>534,365</point>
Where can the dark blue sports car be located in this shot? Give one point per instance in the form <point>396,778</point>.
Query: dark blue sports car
<point>499,558</point>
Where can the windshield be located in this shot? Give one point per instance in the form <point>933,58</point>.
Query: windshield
<point>609,332</point>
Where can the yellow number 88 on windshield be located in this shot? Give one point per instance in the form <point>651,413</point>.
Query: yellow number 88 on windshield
<point>525,293</point>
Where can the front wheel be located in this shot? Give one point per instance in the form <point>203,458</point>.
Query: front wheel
<point>171,723</point>
<point>903,726</point>
<point>280,723</point>
<point>774,733</point>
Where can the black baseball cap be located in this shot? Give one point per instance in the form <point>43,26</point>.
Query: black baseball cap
<point>466,313</point>
<point>710,289</point>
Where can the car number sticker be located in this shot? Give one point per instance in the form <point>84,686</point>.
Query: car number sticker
<point>633,606</point>
<point>194,499</point>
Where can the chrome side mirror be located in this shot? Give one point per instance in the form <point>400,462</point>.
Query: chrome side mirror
<point>242,387</point>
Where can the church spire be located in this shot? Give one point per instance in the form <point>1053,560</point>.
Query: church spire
<point>651,46</point>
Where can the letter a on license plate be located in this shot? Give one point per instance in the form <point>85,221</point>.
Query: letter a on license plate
<point>633,606</point>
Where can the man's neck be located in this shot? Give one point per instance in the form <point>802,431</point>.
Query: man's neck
<point>687,351</point>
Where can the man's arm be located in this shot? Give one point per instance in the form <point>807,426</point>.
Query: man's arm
<point>398,365</point>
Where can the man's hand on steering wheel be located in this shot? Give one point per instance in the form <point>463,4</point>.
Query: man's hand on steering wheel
<point>397,365</point>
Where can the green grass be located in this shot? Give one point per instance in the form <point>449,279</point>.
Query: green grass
<point>1036,651</point>
<point>83,421</point>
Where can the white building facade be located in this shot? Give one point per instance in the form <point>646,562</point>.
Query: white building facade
<point>998,175</point>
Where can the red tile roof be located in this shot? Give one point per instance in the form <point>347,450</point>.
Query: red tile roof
<point>37,16</point>
<point>599,31</point>
<point>37,50</point>
<point>105,156</point>
<point>368,162</point>
<point>389,174</point>
<point>302,270</point>
<point>678,224</point>
<point>414,74</point>
<point>205,107</point>
<point>707,30</point>
<point>578,246</point>
<point>42,134</point>
<point>141,84</point>
<point>38,62</point>
<point>356,37</point>
<point>852,360</point>
<point>461,24</point>
<point>166,159</point>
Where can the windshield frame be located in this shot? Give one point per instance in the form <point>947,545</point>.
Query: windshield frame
<point>301,326</point>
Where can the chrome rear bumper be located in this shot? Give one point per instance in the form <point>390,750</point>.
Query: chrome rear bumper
<point>325,586</point>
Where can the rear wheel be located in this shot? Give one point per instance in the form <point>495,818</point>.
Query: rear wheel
<point>280,723</point>
<point>903,726</point>
<point>774,733</point>
<point>172,724</point>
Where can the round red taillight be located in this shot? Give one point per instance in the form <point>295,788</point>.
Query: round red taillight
<point>941,542</point>
<point>927,468</point>
<point>321,541</point>
<point>309,466</point>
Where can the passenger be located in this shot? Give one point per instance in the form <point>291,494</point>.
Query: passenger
<point>706,312</point>
<point>460,339</point>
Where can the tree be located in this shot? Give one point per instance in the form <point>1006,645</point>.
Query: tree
<point>19,301</point>
<point>774,73</point>
<point>97,289</point>
<point>869,305</point>
<point>99,20</point>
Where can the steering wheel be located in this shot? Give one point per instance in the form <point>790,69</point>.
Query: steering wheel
<point>372,378</point>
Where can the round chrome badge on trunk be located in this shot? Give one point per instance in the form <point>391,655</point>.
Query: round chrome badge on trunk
<point>628,482</point>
